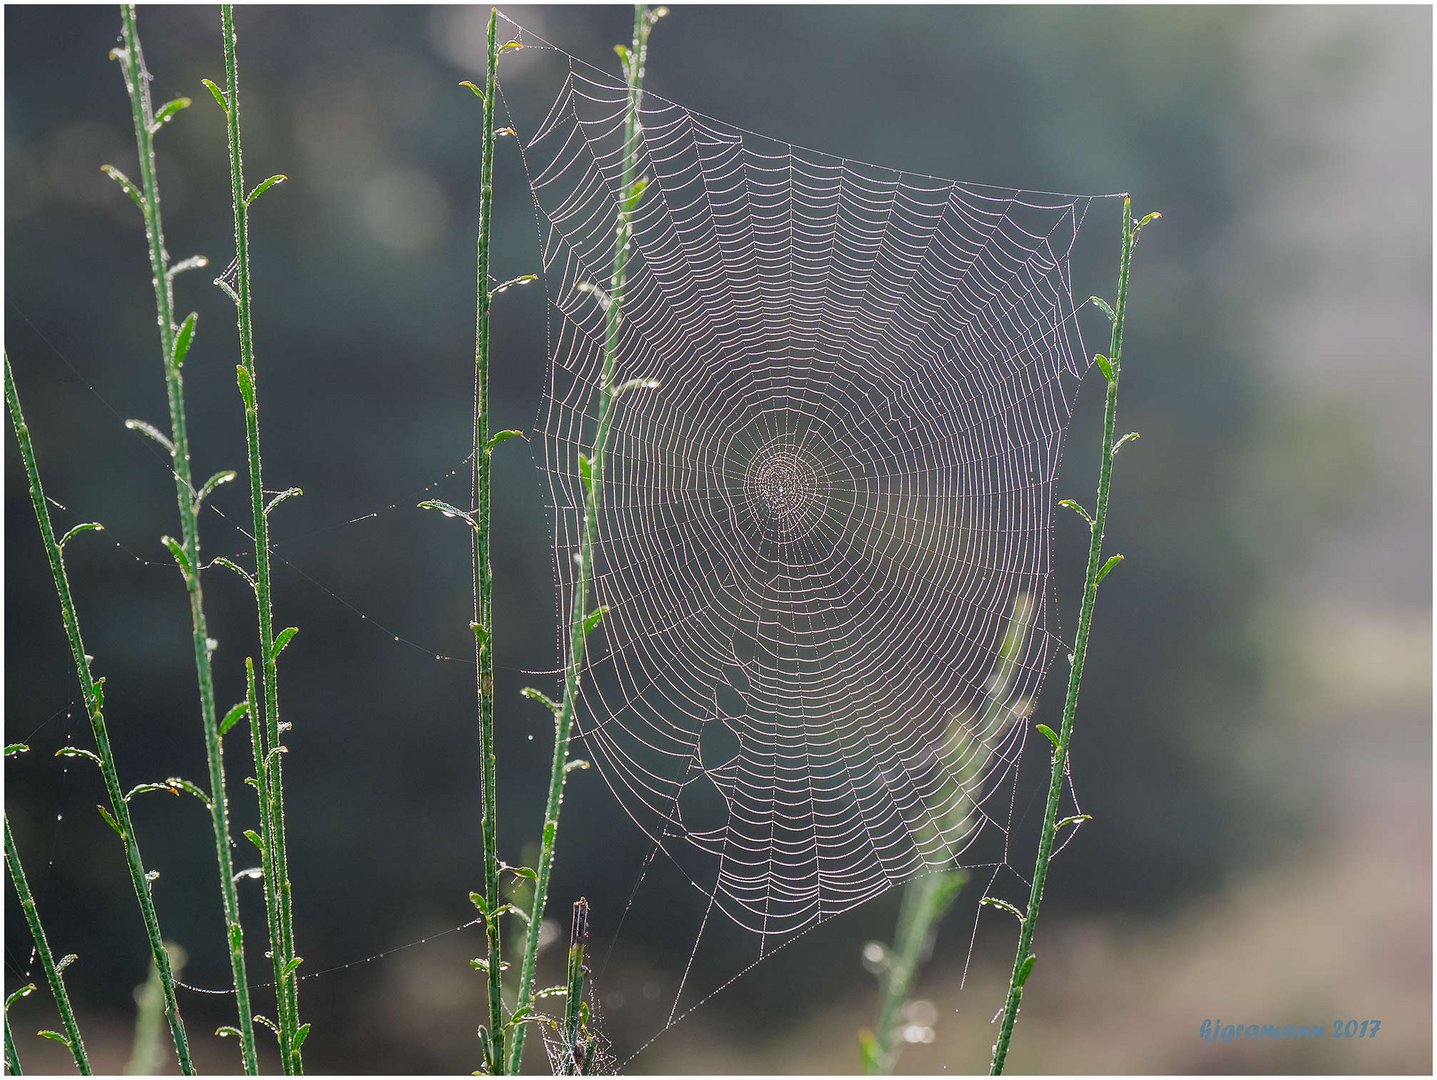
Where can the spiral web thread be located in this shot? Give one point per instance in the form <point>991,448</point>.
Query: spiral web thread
<point>824,540</point>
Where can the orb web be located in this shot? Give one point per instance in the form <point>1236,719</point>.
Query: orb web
<point>824,540</point>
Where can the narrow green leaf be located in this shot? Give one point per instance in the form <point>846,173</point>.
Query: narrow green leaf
<point>522,279</point>
<point>263,186</point>
<point>486,1047</point>
<point>227,1032</point>
<point>56,1036</point>
<point>246,386</point>
<point>635,384</point>
<point>577,763</point>
<point>450,511</point>
<point>300,1034</point>
<point>194,262</point>
<point>87,526</point>
<point>1077,509</point>
<point>24,991</point>
<point>1107,568</point>
<point>152,432</point>
<point>542,698</point>
<point>281,640</point>
<point>1073,820</point>
<point>283,496</point>
<point>586,471</point>
<point>635,194</point>
<point>181,559</point>
<point>140,789</point>
<point>66,961</point>
<point>228,290</point>
<point>75,751</point>
<point>1105,366</point>
<point>1151,217</point>
<point>593,619</point>
<point>293,965</point>
<point>476,90</point>
<point>520,1015</point>
<point>111,822</point>
<point>15,748</point>
<point>234,716</point>
<point>1125,439</point>
<point>588,288</point>
<point>126,185</point>
<point>218,94</point>
<point>480,964</point>
<point>1003,905</point>
<point>267,1022</point>
<point>1025,970</point>
<point>229,564</point>
<point>502,436</point>
<point>166,112</point>
<point>213,482</point>
<point>477,899</point>
<point>1048,733</point>
<point>1103,306</point>
<point>508,45</point>
<point>185,338</point>
<point>518,871</point>
<point>189,788</point>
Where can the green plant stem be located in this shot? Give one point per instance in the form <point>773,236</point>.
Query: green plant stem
<point>924,903</point>
<point>278,893</point>
<point>94,707</point>
<point>12,1054</point>
<point>137,81</point>
<point>576,1061</point>
<point>53,975</point>
<point>482,569</point>
<point>579,610</point>
<point>1023,957</point>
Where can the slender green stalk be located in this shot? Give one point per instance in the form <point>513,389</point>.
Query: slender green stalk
<point>582,620</point>
<point>577,1058</point>
<point>925,901</point>
<point>53,974</point>
<point>187,551</point>
<point>12,1055</point>
<point>268,762</point>
<point>482,569</point>
<point>146,1047</point>
<point>93,693</point>
<point>1111,366</point>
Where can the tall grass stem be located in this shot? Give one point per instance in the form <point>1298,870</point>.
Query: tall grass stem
<point>54,975</point>
<point>581,619</point>
<point>269,761</point>
<point>92,691</point>
<point>1111,367</point>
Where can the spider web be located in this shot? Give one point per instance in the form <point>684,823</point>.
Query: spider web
<point>824,540</point>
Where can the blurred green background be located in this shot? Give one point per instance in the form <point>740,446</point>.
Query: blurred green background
<point>1255,742</point>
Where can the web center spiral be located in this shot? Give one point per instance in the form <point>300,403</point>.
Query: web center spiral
<point>785,489</point>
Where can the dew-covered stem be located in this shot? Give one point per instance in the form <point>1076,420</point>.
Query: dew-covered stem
<point>93,694</point>
<point>482,570</point>
<point>577,1059</point>
<point>1111,367</point>
<point>187,552</point>
<point>54,975</point>
<point>265,724</point>
<point>591,470</point>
